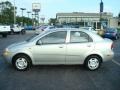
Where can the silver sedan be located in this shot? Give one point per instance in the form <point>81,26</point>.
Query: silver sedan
<point>60,46</point>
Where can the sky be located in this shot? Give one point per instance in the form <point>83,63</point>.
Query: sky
<point>49,8</point>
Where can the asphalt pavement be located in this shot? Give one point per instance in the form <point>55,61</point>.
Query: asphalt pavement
<point>61,77</point>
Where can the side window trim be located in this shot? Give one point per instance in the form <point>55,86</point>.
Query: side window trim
<point>56,40</point>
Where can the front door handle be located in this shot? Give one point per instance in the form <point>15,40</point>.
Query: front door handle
<point>88,45</point>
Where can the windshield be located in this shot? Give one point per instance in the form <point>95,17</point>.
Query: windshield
<point>33,37</point>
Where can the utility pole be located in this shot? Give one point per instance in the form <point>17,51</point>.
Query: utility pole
<point>28,17</point>
<point>101,11</point>
<point>22,15</point>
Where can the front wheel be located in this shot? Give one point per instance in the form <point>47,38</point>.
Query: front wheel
<point>23,32</point>
<point>93,62</point>
<point>21,62</point>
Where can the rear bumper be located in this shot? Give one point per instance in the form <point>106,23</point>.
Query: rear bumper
<point>108,56</point>
<point>6,32</point>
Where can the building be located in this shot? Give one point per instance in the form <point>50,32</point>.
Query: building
<point>114,22</point>
<point>85,19</point>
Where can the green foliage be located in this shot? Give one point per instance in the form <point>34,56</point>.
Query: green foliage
<point>7,14</point>
<point>53,21</point>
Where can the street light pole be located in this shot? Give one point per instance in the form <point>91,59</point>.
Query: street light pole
<point>22,14</point>
<point>28,13</point>
<point>28,17</point>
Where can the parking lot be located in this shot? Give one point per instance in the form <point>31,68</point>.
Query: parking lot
<point>59,77</point>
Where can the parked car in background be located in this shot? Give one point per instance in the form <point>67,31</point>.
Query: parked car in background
<point>43,28</point>
<point>17,29</point>
<point>67,26</point>
<point>90,29</point>
<point>111,33</point>
<point>4,30</point>
<point>29,28</point>
<point>60,46</point>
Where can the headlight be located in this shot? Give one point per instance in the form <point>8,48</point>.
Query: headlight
<point>6,52</point>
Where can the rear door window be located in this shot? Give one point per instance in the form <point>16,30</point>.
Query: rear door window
<point>79,37</point>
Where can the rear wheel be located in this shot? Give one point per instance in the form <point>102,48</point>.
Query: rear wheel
<point>93,62</point>
<point>23,31</point>
<point>12,31</point>
<point>21,62</point>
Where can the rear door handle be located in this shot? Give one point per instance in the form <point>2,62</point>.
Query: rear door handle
<point>60,46</point>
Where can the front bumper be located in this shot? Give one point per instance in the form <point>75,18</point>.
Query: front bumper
<point>7,57</point>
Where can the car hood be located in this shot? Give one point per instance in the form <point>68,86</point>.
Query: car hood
<point>18,45</point>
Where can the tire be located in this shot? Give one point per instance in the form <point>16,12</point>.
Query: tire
<point>93,62</point>
<point>12,32</point>
<point>23,32</point>
<point>4,35</point>
<point>21,62</point>
<point>116,37</point>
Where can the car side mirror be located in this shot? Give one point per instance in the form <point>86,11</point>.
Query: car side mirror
<point>39,42</point>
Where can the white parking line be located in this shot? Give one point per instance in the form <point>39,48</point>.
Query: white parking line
<point>116,62</point>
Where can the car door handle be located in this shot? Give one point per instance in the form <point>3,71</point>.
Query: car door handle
<point>60,46</point>
<point>88,45</point>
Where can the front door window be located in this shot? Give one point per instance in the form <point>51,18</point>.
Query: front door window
<point>54,38</point>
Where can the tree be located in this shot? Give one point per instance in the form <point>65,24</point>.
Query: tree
<point>27,20</point>
<point>7,14</point>
<point>53,21</point>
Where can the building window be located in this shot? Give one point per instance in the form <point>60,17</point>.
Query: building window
<point>98,25</point>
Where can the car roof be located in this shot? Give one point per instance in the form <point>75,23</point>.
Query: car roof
<point>67,29</point>
<point>70,29</point>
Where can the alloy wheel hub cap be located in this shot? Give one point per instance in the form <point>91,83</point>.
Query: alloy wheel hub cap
<point>21,63</point>
<point>93,63</point>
